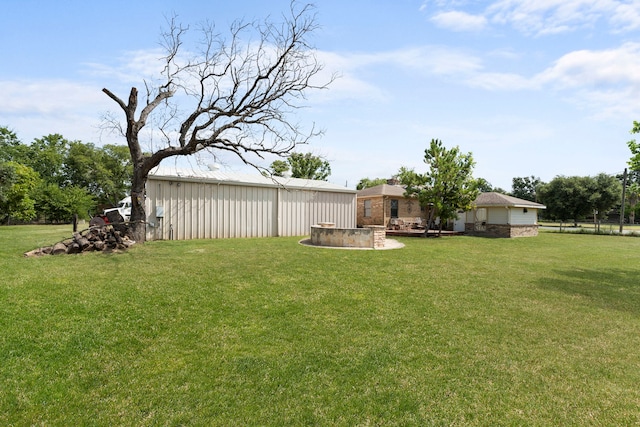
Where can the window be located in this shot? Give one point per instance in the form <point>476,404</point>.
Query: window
<point>367,208</point>
<point>394,208</point>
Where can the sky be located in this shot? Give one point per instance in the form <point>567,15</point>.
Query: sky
<point>529,87</point>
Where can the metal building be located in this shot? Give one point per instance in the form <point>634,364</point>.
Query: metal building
<point>197,204</point>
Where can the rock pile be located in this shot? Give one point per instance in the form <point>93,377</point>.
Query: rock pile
<point>99,238</point>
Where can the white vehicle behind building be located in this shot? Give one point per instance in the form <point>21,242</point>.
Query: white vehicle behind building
<point>123,208</point>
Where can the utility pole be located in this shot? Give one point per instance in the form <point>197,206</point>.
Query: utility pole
<point>624,193</point>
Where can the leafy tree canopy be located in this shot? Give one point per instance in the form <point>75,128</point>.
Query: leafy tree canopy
<point>16,200</point>
<point>525,187</point>
<point>448,186</point>
<point>11,149</point>
<point>368,183</point>
<point>634,162</point>
<point>279,167</point>
<point>307,166</point>
<point>72,176</point>
<point>575,197</point>
<point>483,185</point>
<point>60,204</point>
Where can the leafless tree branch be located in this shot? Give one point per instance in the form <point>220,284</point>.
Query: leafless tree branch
<point>233,94</point>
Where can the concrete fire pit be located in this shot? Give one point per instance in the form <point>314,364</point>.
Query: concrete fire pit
<point>325,234</point>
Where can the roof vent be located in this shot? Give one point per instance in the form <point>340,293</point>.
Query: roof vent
<point>214,167</point>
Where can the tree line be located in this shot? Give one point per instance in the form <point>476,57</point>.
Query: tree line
<point>52,179</point>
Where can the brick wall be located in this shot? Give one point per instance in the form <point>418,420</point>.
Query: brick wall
<point>408,210</point>
<point>502,230</point>
<point>377,212</point>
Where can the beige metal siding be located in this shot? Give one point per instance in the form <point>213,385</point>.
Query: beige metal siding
<point>300,209</point>
<point>206,211</point>
<point>499,215</point>
<point>201,210</point>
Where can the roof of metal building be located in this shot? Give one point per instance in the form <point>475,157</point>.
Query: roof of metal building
<point>234,178</point>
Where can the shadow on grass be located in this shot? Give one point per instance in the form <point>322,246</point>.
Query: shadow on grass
<point>612,289</point>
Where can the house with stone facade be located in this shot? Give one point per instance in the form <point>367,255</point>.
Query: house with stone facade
<point>387,205</point>
<point>500,215</point>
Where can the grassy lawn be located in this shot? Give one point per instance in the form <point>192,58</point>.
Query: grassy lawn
<point>449,331</point>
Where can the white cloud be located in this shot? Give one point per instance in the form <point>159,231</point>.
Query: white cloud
<point>42,107</point>
<point>539,17</point>
<point>626,16</point>
<point>459,21</point>
<point>355,69</point>
<point>501,81</point>
<point>20,97</point>
<point>130,67</point>
<point>588,68</point>
<point>605,82</point>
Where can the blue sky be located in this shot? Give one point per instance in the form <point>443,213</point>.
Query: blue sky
<point>530,87</point>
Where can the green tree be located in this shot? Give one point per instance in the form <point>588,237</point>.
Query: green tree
<point>17,200</point>
<point>8,177</point>
<point>309,166</point>
<point>634,162</point>
<point>104,172</point>
<point>235,96</point>
<point>279,168</point>
<point>525,187</point>
<point>634,174</point>
<point>633,197</point>
<point>60,204</point>
<point>606,192</point>
<point>305,166</point>
<point>44,155</point>
<point>11,148</point>
<point>368,183</point>
<point>576,197</point>
<point>566,198</point>
<point>47,156</point>
<point>113,173</point>
<point>483,185</point>
<point>448,186</point>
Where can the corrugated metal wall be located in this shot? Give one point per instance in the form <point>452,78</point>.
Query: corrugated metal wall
<point>201,210</point>
<point>300,209</point>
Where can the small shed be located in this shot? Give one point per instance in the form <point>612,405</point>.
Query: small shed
<point>500,215</point>
<point>387,205</point>
<point>187,204</point>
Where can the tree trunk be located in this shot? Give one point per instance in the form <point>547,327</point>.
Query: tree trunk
<point>137,223</point>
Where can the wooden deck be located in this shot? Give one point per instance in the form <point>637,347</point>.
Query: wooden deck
<point>420,233</point>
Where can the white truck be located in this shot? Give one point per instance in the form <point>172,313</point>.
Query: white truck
<point>123,208</point>
<point>119,214</point>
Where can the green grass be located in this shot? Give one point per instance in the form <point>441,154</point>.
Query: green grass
<point>449,331</point>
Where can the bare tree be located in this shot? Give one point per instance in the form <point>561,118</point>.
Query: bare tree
<point>234,94</point>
